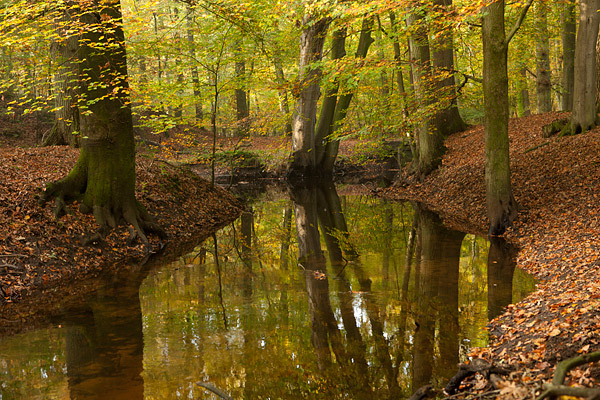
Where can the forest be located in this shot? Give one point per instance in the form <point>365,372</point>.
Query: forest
<point>129,130</point>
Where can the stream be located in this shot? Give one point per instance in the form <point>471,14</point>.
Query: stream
<point>311,293</point>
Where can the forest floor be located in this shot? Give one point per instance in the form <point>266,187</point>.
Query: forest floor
<point>556,183</point>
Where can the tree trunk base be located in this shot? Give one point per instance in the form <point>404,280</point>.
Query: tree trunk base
<point>125,210</point>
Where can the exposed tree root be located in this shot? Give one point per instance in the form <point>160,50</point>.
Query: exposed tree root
<point>465,370</point>
<point>557,387</point>
<point>130,212</point>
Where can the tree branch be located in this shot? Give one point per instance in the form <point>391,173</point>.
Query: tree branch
<point>518,23</point>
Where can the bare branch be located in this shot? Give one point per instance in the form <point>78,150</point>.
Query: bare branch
<point>518,23</point>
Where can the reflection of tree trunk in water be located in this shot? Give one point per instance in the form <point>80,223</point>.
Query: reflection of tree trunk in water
<point>334,226</point>
<point>387,242</point>
<point>104,346</point>
<point>310,256</point>
<point>440,252</point>
<point>381,345</point>
<point>284,256</point>
<point>218,264</point>
<point>305,212</point>
<point>411,249</point>
<point>501,267</point>
<point>248,316</point>
<point>284,260</point>
<point>247,219</point>
<point>332,216</point>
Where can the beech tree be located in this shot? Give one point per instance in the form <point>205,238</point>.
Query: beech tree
<point>307,91</point>
<point>584,117</point>
<point>103,179</point>
<point>501,205</point>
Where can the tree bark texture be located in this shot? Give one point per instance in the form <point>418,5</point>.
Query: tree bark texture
<point>501,206</point>
<point>584,90</point>
<point>307,92</point>
<point>569,26</point>
<point>64,58</point>
<point>447,119</point>
<point>542,49</point>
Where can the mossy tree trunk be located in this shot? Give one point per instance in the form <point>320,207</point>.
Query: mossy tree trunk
<point>584,90</point>
<point>103,179</point>
<point>501,205</point>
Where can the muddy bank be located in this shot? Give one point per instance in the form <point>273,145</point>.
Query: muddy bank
<point>42,260</point>
<point>556,183</point>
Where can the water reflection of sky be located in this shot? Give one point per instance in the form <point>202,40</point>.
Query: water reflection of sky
<point>255,325</point>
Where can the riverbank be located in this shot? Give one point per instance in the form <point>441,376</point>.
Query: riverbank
<point>41,258</point>
<point>556,183</point>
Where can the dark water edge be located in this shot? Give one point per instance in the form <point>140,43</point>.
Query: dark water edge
<point>307,297</point>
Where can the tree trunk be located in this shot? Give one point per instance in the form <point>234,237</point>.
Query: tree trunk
<point>241,103</point>
<point>307,92</point>
<point>543,74</point>
<point>568,42</point>
<point>584,91</point>
<point>104,175</point>
<point>281,83</point>
<point>501,206</point>
<point>66,117</point>
<point>194,69</point>
<point>523,108</point>
<point>447,119</point>
<point>429,142</point>
<point>338,51</point>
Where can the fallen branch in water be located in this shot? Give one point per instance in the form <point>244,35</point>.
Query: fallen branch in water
<point>215,390</point>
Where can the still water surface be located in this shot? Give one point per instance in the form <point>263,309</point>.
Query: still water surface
<point>313,296</point>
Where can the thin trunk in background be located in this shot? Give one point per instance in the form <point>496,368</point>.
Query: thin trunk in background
<point>241,93</point>
<point>569,26</point>
<point>447,119</point>
<point>194,68</point>
<point>542,49</point>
